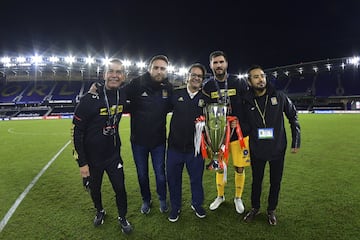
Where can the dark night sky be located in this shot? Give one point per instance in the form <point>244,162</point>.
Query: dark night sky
<point>274,33</point>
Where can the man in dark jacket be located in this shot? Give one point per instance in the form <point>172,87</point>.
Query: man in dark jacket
<point>264,110</point>
<point>187,104</point>
<point>97,142</point>
<point>149,96</point>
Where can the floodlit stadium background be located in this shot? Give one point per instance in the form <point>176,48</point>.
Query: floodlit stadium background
<point>50,86</point>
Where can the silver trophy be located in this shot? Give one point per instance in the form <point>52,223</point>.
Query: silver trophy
<point>215,131</point>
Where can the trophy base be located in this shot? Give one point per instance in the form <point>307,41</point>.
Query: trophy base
<point>215,165</point>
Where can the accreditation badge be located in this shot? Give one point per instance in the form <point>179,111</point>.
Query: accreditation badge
<point>273,101</point>
<point>164,93</point>
<point>265,133</point>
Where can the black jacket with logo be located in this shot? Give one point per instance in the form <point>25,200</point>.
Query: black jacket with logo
<point>149,105</point>
<point>90,117</point>
<point>182,125</point>
<point>278,104</point>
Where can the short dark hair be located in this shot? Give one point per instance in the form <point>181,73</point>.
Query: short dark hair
<point>217,54</point>
<point>159,57</point>
<point>198,65</point>
<point>252,68</point>
<point>113,60</point>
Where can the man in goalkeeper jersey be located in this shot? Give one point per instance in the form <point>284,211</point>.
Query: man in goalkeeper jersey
<point>224,88</point>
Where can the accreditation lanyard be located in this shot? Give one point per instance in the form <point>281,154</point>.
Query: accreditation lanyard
<point>114,117</point>
<point>262,113</point>
<point>225,92</point>
<point>108,106</point>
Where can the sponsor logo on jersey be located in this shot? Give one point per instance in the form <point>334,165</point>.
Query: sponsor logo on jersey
<point>230,92</point>
<point>104,112</point>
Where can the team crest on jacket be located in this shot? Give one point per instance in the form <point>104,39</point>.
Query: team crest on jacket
<point>274,101</point>
<point>201,103</point>
<point>164,93</point>
<point>180,99</point>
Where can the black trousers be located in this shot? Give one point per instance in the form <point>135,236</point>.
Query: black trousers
<point>115,173</point>
<point>276,172</point>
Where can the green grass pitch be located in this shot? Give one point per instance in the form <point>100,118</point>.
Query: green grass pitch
<point>319,199</point>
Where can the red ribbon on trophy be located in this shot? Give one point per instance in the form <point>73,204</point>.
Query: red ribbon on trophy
<point>201,141</point>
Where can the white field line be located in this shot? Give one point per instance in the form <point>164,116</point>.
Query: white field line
<point>11,211</point>
<point>13,131</point>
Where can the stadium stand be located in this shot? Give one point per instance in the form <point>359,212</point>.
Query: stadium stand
<point>55,91</point>
<point>320,85</point>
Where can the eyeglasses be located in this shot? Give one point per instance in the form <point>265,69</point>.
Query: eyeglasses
<point>194,75</point>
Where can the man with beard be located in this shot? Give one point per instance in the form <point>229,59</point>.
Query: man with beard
<point>223,88</point>
<point>149,96</point>
<point>264,109</point>
<point>97,142</point>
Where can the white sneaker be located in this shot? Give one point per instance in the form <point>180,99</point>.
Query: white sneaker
<point>239,206</point>
<point>217,202</point>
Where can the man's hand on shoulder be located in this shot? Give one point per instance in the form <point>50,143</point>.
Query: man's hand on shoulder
<point>94,88</point>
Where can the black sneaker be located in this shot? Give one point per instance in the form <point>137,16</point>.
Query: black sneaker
<point>174,215</point>
<point>145,207</point>
<point>125,225</point>
<point>251,215</point>
<point>163,206</point>
<point>199,211</point>
<point>99,218</point>
<point>271,217</point>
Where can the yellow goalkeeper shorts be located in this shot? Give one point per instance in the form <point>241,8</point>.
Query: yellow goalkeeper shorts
<point>240,157</point>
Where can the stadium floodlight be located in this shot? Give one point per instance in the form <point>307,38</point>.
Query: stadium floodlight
<point>5,60</point>
<point>342,66</point>
<point>141,64</point>
<point>106,61</point>
<point>300,70</point>
<point>54,59</point>
<point>315,68</point>
<point>36,59</point>
<point>126,63</point>
<point>275,74</point>
<point>183,71</point>
<point>354,61</point>
<point>286,73</point>
<point>20,59</point>
<point>171,68</point>
<point>89,60</point>
<point>328,66</point>
<point>242,76</point>
<point>70,59</point>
